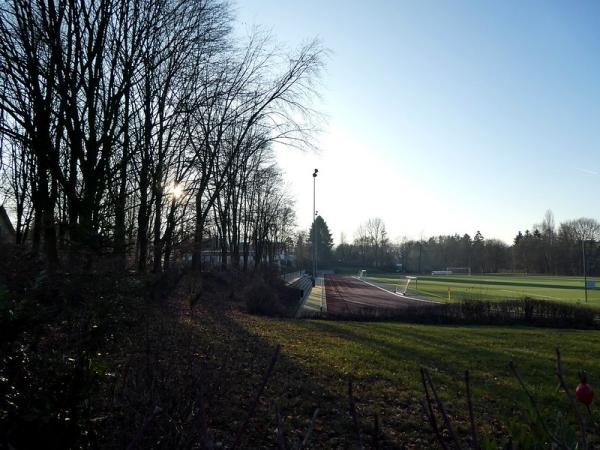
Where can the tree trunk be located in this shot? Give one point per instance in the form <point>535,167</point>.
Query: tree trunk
<point>168,237</point>
<point>157,224</point>
<point>143,219</point>
<point>120,245</point>
<point>198,234</point>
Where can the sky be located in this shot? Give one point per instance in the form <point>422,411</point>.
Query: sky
<point>446,117</point>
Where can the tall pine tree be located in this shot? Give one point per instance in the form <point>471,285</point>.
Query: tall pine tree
<point>324,241</point>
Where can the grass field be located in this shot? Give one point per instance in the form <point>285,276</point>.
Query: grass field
<point>496,287</point>
<point>384,359</point>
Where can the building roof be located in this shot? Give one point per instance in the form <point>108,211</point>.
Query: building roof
<point>6,220</point>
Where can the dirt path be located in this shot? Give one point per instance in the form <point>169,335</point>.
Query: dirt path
<point>349,295</point>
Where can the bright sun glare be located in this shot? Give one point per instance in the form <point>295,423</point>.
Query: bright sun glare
<point>176,190</point>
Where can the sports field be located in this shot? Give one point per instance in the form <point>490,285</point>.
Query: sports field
<point>494,287</point>
<point>385,358</point>
<point>348,295</point>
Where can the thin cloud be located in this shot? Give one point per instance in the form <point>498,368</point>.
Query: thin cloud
<point>588,171</point>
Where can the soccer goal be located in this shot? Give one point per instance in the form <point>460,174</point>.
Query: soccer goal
<point>459,270</point>
<point>403,285</point>
<point>362,273</point>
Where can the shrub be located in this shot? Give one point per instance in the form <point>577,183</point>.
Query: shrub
<point>262,299</point>
<point>270,296</point>
<point>4,305</point>
<point>526,311</point>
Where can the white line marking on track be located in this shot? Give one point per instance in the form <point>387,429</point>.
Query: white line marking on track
<point>397,295</point>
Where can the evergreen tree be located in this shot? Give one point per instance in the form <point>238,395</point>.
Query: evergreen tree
<point>478,239</point>
<point>324,240</point>
<point>518,238</point>
<point>477,255</point>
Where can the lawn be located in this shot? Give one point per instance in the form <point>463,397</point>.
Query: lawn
<point>384,360</point>
<point>495,287</point>
<point>119,360</point>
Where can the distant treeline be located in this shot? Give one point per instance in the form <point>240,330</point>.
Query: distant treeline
<point>545,249</point>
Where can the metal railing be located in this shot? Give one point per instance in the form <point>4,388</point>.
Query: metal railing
<point>291,276</point>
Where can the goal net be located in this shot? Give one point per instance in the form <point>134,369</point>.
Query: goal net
<point>459,270</point>
<point>362,273</point>
<point>403,285</point>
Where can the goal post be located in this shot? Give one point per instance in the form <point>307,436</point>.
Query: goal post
<point>459,270</point>
<point>403,286</point>
<point>362,273</point>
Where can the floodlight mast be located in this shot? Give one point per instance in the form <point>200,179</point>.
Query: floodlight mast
<point>585,287</point>
<point>314,226</point>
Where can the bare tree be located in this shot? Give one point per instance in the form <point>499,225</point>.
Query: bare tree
<point>244,96</point>
<point>584,229</point>
<point>377,235</point>
<point>111,107</point>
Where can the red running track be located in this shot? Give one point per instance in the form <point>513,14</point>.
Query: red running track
<point>349,295</point>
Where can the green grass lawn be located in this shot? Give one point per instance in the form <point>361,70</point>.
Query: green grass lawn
<point>384,359</point>
<point>496,287</point>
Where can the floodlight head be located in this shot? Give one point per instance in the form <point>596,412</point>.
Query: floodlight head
<point>315,173</point>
